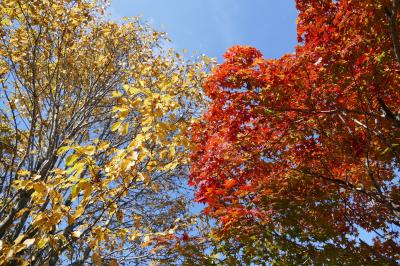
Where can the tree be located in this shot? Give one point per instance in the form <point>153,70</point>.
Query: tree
<point>298,158</point>
<point>92,135</point>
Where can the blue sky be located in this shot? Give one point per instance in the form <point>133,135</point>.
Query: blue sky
<point>211,26</point>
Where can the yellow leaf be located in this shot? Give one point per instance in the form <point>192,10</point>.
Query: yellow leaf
<point>74,192</point>
<point>145,129</point>
<point>123,114</point>
<point>24,172</point>
<point>86,187</point>
<point>19,239</point>
<point>116,94</point>
<point>71,159</point>
<point>104,145</point>
<point>6,22</point>
<point>125,129</point>
<point>87,150</point>
<point>10,254</point>
<point>126,87</point>
<point>144,177</point>
<point>20,212</point>
<point>76,233</point>
<point>126,164</point>
<point>123,111</point>
<point>113,208</point>
<point>42,242</point>
<point>170,166</point>
<point>134,236</point>
<point>40,188</point>
<point>163,154</point>
<point>78,168</point>
<point>171,152</point>
<point>155,187</point>
<point>23,184</point>
<point>120,216</point>
<point>136,102</point>
<point>175,79</point>
<point>84,184</point>
<point>132,90</point>
<point>79,211</point>
<point>116,125</point>
<point>63,150</point>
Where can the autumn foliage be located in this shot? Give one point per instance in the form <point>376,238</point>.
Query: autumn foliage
<point>297,157</point>
<point>93,153</point>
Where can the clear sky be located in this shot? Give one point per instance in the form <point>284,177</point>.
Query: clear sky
<point>211,26</point>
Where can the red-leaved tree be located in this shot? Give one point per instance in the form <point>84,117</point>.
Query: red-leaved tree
<point>298,158</point>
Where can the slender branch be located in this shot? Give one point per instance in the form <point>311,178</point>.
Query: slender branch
<point>392,17</point>
<point>388,114</point>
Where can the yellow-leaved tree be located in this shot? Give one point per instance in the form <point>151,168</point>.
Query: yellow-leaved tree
<point>92,135</point>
